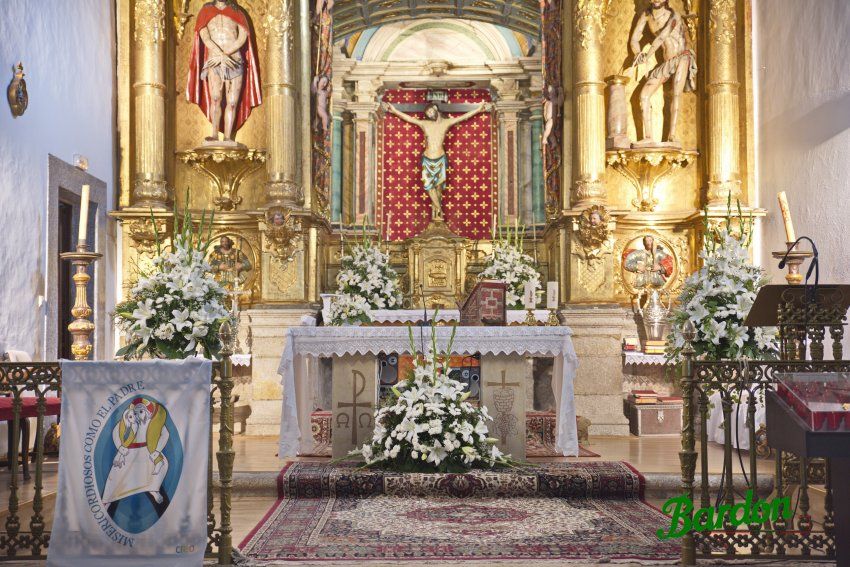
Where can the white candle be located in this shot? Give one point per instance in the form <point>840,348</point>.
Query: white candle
<point>84,215</point>
<point>528,296</point>
<point>790,236</point>
<point>551,295</point>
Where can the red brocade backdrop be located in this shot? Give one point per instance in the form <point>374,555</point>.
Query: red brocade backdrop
<point>470,196</point>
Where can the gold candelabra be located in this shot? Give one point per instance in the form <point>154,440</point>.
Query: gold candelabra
<point>81,327</point>
<point>795,258</point>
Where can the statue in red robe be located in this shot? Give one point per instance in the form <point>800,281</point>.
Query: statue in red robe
<point>223,71</point>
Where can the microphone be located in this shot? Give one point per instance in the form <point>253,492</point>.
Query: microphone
<point>811,293</point>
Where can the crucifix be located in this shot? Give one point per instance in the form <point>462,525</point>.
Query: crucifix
<point>503,385</point>
<point>354,404</point>
<point>435,125</point>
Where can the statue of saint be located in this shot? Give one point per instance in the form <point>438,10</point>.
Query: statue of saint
<point>652,265</point>
<point>223,70</point>
<point>680,64</point>
<point>230,266</point>
<point>434,160</point>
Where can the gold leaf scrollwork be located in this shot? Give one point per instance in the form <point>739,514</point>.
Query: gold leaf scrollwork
<point>282,230</point>
<point>593,228</point>
<point>149,21</point>
<point>722,21</point>
<point>143,236</point>
<point>590,16</point>
<point>277,21</point>
<point>181,17</point>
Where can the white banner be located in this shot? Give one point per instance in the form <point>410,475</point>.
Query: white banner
<point>132,464</point>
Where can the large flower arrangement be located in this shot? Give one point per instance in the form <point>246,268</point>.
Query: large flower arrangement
<point>366,281</point>
<point>176,310</point>
<point>718,297</point>
<point>426,423</point>
<point>508,263</point>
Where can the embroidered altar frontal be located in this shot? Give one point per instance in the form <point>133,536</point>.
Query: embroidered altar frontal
<point>471,186</point>
<point>559,511</point>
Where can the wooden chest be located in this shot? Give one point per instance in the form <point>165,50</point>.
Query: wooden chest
<point>655,419</point>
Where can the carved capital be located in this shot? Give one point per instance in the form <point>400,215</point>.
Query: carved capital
<point>149,21</point>
<point>591,16</point>
<point>284,193</point>
<point>589,192</point>
<point>149,192</point>
<point>722,20</point>
<point>143,233</point>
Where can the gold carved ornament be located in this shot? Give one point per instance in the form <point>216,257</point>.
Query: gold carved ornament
<point>282,231</point>
<point>593,229</point>
<point>149,21</point>
<point>181,17</point>
<point>590,16</point>
<point>722,21</point>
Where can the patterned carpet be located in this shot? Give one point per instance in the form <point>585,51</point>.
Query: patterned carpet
<point>557,511</point>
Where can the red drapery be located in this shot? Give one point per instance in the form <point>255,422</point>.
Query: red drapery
<point>470,196</point>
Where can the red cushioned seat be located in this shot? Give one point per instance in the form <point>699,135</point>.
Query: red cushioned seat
<point>29,407</point>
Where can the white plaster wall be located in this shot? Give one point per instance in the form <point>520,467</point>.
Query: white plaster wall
<point>67,48</point>
<point>803,82</point>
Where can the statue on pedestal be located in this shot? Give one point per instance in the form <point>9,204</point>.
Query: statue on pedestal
<point>434,160</point>
<point>223,70</point>
<point>679,63</point>
<point>230,266</point>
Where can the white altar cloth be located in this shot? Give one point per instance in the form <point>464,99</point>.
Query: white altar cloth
<point>303,343</point>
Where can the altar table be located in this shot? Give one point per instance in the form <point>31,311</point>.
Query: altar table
<point>306,343</point>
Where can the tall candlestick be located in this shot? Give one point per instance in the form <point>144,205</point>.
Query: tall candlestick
<point>493,228</point>
<point>389,226</point>
<point>790,236</point>
<point>84,215</point>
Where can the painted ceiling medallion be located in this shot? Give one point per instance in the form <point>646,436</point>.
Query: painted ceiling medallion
<point>17,92</point>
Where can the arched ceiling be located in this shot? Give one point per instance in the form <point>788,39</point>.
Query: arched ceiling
<point>352,16</point>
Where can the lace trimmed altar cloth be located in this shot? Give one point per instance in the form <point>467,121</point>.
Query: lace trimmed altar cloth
<point>305,343</point>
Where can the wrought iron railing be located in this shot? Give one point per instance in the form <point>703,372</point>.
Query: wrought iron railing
<point>29,539</point>
<point>802,329</point>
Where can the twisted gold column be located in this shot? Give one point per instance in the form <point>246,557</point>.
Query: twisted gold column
<point>279,93</point>
<point>724,172</point>
<point>588,103</point>
<point>149,186</point>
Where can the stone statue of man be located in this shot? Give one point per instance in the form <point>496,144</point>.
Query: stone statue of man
<point>679,63</point>
<point>434,160</point>
<point>223,71</point>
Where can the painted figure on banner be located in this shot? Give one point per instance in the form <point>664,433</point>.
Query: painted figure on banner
<point>679,63</point>
<point>229,265</point>
<point>139,466</point>
<point>224,74</point>
<point>434,161</point>
<point>652,265</point>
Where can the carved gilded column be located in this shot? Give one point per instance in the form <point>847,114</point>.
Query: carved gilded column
<point>588,102</point>
<point>149,183</point>
<point>280,98</point>
<point>723,167</point>
<point>365,142</point>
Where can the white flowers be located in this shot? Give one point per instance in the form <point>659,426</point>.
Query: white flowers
<point>428,424</point>
<point>175,311</point>
<point>366,282</point>
<point>509,264</point>
<point>717,299</point>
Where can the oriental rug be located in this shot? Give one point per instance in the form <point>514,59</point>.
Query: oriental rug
<point>557,511</point>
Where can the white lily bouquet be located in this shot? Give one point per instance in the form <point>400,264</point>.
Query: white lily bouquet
<point>426,424</point>
<point>366,281</point>
<point>508,263</point>
<point>718,297</point>
<point>176,310</point>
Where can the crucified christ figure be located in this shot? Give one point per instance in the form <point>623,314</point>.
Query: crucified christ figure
<point>434,160</point>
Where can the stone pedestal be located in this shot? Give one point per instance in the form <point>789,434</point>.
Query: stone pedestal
<point>503,392</point>
<point>266,328</point>
<point>597,336</point>
<point>354,401</point>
